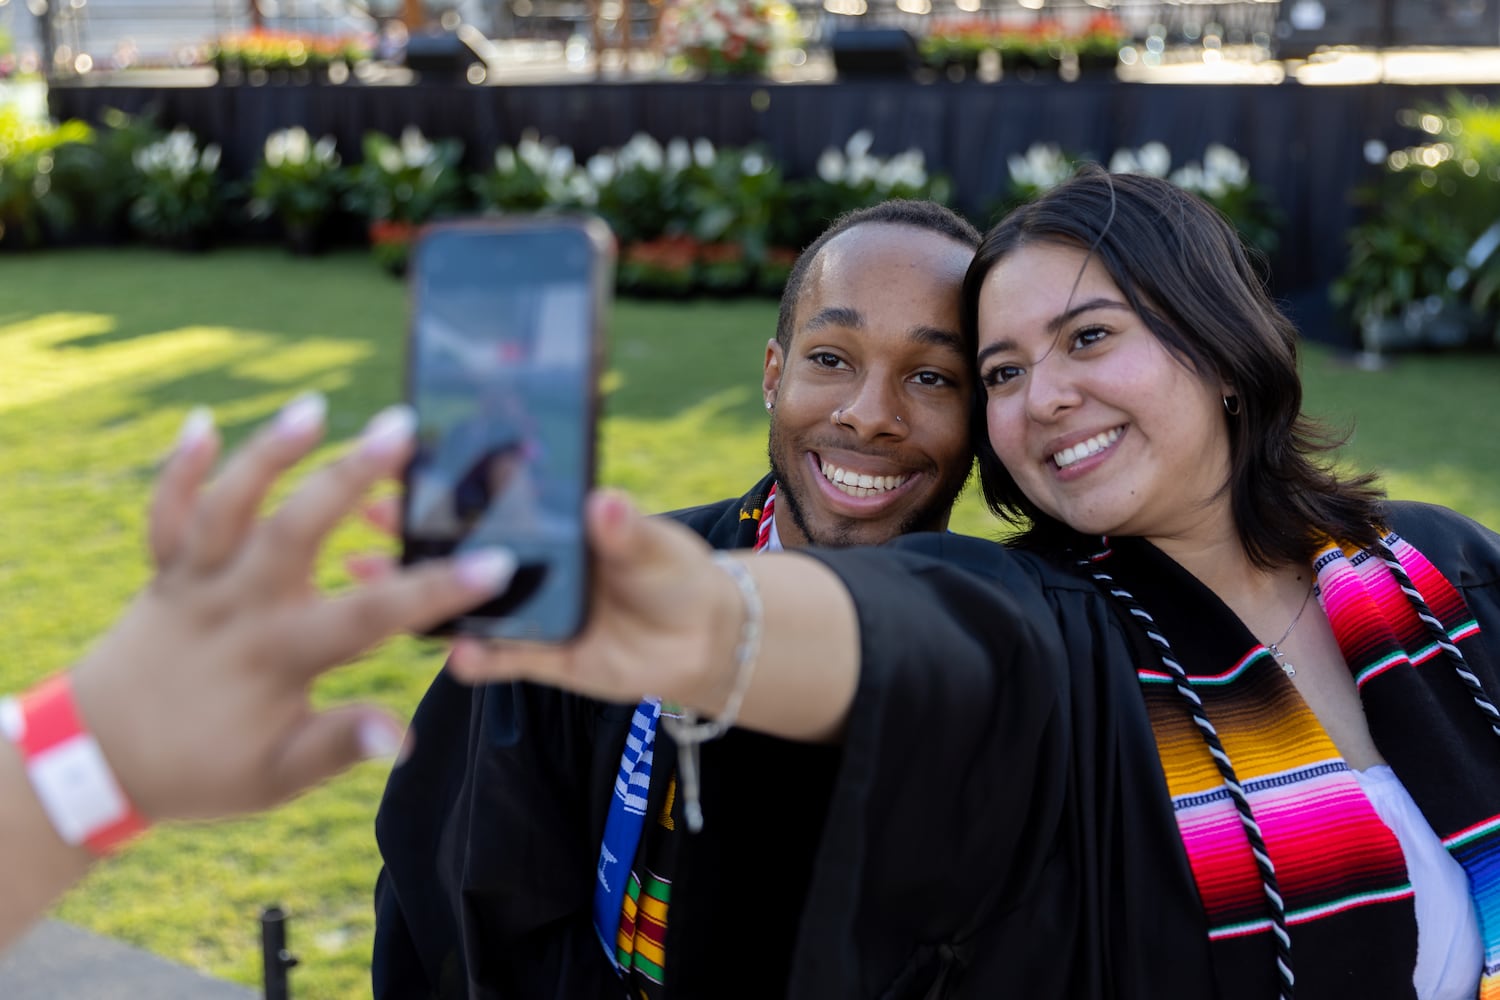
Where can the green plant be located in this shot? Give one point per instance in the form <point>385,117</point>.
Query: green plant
<point>1426,250</point>
<point>100,177</point>
<point>1398,260</point>
<point>1221,178</point>
<point>1097,45</point>
<point>179,197</point>
<point>532,176</point>
<point>29,204</point>
<point>957,43</point>
<point>299,183</point>
<point>411,180</point>
<point>851,178</point>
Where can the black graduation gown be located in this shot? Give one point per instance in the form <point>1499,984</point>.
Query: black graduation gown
<point>490,835</point>
<point>965,856</point>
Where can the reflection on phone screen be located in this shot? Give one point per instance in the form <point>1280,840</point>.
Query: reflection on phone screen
<point>501,381</point>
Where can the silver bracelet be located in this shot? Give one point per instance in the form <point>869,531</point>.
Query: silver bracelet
<point>687,730</point>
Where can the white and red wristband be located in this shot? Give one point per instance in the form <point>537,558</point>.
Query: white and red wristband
<point>74,783</point>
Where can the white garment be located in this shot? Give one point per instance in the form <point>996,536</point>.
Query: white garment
<point>1450,952</point>
<point>773,540</point>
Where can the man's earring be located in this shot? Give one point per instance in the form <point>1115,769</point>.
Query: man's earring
<point>770,406</point>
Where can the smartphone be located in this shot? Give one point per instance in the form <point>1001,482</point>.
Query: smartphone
<point>502,370</point>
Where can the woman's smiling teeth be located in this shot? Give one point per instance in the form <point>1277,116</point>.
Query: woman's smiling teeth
<point>1084,449</point>
<point>858,484</point>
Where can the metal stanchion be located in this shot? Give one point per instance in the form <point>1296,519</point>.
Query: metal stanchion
<point>275,959</point>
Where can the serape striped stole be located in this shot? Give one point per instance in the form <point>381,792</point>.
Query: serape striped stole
<point>1341,871</point>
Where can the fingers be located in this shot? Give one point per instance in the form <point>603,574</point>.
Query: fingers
<point>383,514</point>
<point>370,567</point>
<point>329,494</point>
<point>410,600</point>
<point>226,513</point>
<point>177,487</point>
<point>330,742</point>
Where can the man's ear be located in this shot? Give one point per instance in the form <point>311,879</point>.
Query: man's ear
<point>770,382</point>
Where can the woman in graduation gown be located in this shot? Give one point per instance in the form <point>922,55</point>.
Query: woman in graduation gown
<point>1221,724</point>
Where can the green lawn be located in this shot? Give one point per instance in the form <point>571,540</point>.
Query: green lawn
<point>103,353</point>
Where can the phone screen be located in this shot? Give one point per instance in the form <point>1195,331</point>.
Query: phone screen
<point>501,374</point>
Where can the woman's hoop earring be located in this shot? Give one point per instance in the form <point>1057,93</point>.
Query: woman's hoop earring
<point>1232,405</point>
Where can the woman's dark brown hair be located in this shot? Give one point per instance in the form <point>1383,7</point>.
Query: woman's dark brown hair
<point>1184,271</point>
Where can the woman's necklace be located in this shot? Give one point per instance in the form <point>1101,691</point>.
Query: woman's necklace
<point>1275,647</point>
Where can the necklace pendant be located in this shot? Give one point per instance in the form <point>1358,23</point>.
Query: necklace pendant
<point>1281,660</point>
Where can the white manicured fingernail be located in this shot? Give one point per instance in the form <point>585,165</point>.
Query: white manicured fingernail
<point>198,425</point>
<point>486,570</point>
<point>301,415</point>
<point>377,738</point>
<point>389,430</point>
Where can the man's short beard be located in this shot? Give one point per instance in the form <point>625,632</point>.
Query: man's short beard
<point>932,516</point>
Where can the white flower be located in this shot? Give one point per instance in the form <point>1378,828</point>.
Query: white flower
<point>1225,166</point>
<point>505,159</point>
<point>679,156</point>
<point>275,148</point>
<point>1124,162</point>
<point>1190,178</point>
<point>533,153</point>
<point>831,166</point>
<point>1043,167</point>
<point>1155,159</point>
<point>906,169</point>
<point>753,164</point>
<point>859,144</point>
<point>861,169</point>
<point>561,162</point>
<point>416,151</point>
<point>641,151</point>
<point>601,169</point>
<point>703,152</point>
<point>209,161</point>
<point>389,158</point>
<point>326,151</point>
<point>298,145</point>
<point>582,191</point>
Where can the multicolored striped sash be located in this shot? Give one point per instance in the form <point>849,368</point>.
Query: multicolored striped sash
<point>1335,869</point>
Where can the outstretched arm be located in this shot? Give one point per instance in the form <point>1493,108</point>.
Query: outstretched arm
<point>666,621</point>
<point>198,696</point>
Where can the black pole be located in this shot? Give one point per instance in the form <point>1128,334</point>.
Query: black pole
<point>275,959</point>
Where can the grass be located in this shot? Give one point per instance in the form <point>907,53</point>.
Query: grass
<point>103,353</point>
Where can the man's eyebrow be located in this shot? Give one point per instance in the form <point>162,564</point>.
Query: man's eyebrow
<point>835,316</point>
<point>936,336</point>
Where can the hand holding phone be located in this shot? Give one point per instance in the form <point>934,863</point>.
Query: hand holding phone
<point>502,371</point>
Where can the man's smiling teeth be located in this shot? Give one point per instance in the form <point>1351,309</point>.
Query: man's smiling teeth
<point>858,485</point>
<point>1082,450</point>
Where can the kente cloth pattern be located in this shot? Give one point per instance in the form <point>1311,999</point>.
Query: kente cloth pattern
<point>1341,871</point>
<point>641,916</point>
<point>643,927</point>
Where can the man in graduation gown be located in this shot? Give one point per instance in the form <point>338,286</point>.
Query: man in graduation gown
<point>534,845</point>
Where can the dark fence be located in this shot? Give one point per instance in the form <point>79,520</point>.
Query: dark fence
<point>1307,146</point>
